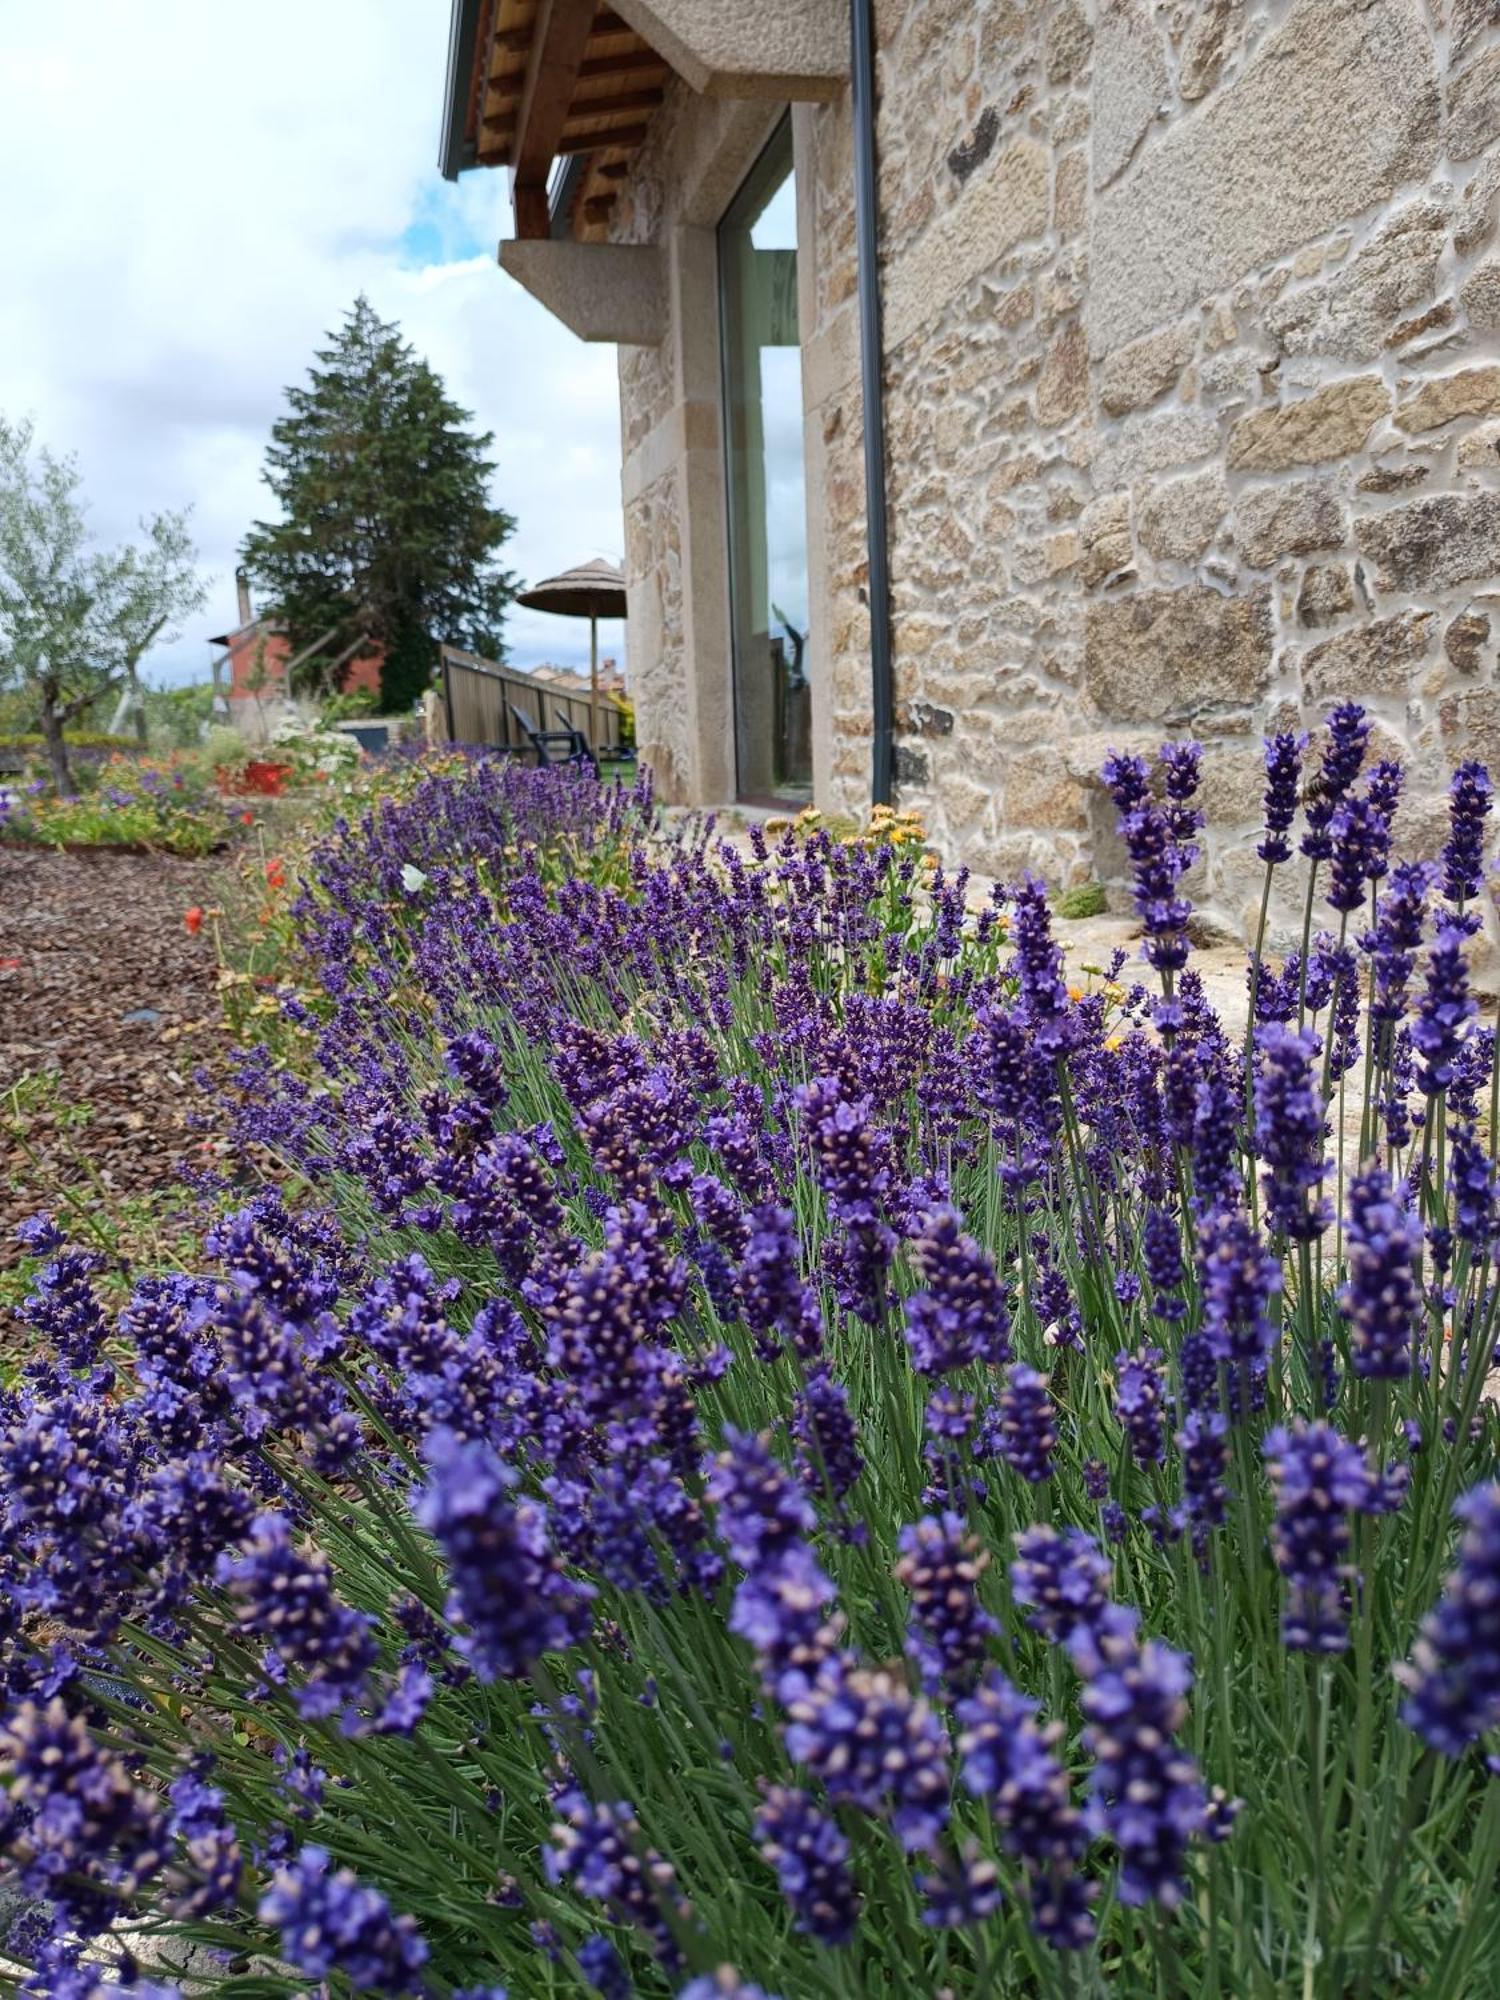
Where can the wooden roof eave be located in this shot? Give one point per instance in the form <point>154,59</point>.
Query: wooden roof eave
<point>559,79</point>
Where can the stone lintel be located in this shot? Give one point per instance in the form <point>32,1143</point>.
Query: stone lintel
<point>610,292</point>
<point>782,49</point>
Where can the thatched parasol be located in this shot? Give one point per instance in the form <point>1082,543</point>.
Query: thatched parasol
<point>593,590</point>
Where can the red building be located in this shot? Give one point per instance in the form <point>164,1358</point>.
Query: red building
<point>257,652</point>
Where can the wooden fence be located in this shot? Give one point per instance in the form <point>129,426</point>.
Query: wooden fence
<point>482,701</point>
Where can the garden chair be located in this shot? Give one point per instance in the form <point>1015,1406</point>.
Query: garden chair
<point>600,753</point>
<point>572,743</point>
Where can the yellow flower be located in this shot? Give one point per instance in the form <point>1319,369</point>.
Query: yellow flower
<point>1075,993</point>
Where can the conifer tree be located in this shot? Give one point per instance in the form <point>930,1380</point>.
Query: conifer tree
<point>388,533</point>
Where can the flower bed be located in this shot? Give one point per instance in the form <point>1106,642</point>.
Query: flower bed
<point>790,1440</point>
<point>133,805</point>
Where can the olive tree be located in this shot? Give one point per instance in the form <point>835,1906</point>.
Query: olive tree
<point>75,620</point>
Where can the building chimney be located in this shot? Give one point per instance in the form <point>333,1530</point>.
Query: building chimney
<point>242,589</point>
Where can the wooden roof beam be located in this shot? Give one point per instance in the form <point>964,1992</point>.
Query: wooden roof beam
<point>496,150</point>
<point>598,142</point>
<point>776,49</point>
<point>590,107</point>
<point>611,107</point>
<point>517,41</point>
<point>559,42</point>
<point>621,65</point>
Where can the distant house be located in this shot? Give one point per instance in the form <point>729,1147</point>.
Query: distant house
<point>257,655</point>
<point>611,680</point>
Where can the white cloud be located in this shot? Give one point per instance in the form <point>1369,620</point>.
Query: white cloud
<point>195,195</point>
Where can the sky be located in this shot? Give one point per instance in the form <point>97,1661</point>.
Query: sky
<point>195,195</point>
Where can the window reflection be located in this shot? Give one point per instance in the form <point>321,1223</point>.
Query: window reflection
<point>767,510</point>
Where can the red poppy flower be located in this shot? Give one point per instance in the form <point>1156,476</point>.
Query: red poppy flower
<point>276,874</point>
<point>192,920</point>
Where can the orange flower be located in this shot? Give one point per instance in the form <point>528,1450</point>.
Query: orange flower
<point>192,920</point>
<point>276,874</point>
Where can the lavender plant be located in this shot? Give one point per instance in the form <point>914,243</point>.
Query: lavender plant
<point>787,1451</point>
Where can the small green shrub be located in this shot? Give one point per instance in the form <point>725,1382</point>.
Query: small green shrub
<point>1085,899</point>
<point>225,748</point>
<point>31,742</point>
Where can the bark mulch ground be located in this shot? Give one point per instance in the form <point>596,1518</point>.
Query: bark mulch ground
<point>107,1007</point>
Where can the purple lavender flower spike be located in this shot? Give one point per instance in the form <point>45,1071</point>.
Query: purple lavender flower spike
<point>1158,841</point>
<point>1060,1579</point>
<point>1010,1760</point>
<point>960,1315</point>
<point>1290,1132</point>
<point>1045,1005</point>
<point>1361,840</point>
<point>1127,779</point>
<point>1471,797</point>
<point>1453,1682</point>
<point>940,1566</point>
<point>284,1595</point>
<point>811,1859</point>
<point>1319,1479</point>
<point>1444,1011</point>
<point>210,1847</point>
<point>1144,1790</point>
<point>725,1984</point>
<point>964,1890</point>
<point>86,1836</point>
<point>596,1845</point>
<point>330,1922</point>
<point>1028,1424</point>
<point>39,1236</point>
<point>509,1588</point>
<point>782,1611</point>
<point>851,1154</point>
<point>828,1453</point>
<point>1472,1184</point>
<point>776,1301</point>
<point>1380,1299</point>
<point>64,1309</point>
<point>1161,1252</point>
<point>1343,754</point>
<point>603,1968</point>
<point>1204,1444</point>
<point>1283,780</point>
<point>1139,1395</point>
<point>1240,1280</point>
<point>873,1746</point>
<point>763,1512</point>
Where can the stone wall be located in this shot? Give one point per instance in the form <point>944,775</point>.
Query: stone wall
<point>1193,399</point>
<point>1210,440</point>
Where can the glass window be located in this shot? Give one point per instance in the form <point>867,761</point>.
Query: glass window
<point>767,508</point>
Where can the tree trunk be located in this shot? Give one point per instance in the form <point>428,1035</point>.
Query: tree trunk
<point>138,710</point>
<point>57,743</point>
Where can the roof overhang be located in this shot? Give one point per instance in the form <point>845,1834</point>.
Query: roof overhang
<point>532,82</point>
